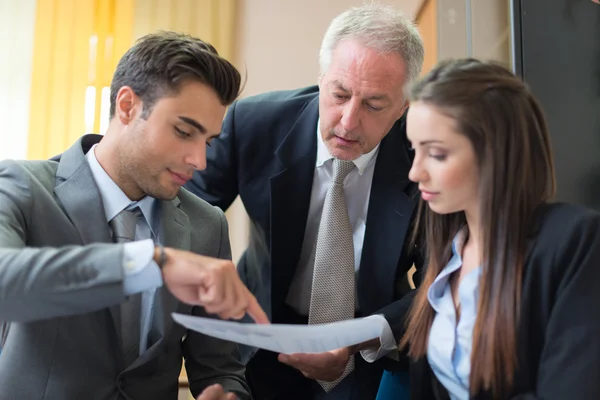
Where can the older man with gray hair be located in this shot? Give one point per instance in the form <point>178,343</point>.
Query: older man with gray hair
<point>323,174</point>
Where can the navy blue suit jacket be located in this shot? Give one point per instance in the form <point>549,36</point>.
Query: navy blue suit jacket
<point>266,153</point>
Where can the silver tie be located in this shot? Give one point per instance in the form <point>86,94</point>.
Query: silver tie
<point>123,226</point>
<point>333,287</point>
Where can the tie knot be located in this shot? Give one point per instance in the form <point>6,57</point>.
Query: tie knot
<point>124,224</point>
<point>341,169</point>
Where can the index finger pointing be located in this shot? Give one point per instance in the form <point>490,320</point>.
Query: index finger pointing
<point>256,312</point>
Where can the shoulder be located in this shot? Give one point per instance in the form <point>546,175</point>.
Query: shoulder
<point>281,97</point>
<point>25,183</point>
<point>283,103</point>
<point>28,167</point>
<point>556,222</point>
<point>565,237</point>
<point>29,172</point>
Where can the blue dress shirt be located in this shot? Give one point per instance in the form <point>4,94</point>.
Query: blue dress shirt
<point>449,347</point>
<point>141,273</point>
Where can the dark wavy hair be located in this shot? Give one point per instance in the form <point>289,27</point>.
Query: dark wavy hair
<point>508,131</point>
<point>160,62</point>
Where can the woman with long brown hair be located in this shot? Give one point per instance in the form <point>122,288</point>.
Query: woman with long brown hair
<point>507,307</point>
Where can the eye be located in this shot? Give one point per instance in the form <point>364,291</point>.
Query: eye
<point>439,157</point>
<point>182,133</point>
<point>339,96</point>
<point>373,108</point>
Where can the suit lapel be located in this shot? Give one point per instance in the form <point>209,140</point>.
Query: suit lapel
<point>388,219</point>
<point>78,194</point>
<point>176,234</point>
<point>80,198</point>
<point>290,198</point>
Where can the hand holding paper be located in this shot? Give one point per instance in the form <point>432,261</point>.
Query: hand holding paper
<point>327,366</point>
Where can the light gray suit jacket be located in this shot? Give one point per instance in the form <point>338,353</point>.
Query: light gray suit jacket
<point>61,285</point>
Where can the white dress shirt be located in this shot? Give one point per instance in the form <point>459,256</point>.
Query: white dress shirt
<point>141,273</point>
<point>357,190</point>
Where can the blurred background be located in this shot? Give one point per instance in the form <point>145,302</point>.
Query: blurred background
<point>58,56</point>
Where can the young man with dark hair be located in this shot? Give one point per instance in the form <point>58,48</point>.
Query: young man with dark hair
<point>98,246</point>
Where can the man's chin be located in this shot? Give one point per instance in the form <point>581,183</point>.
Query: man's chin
<point>346,153</point>
<point>165,195</point>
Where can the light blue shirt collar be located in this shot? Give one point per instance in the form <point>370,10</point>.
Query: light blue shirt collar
<point>113,198</point>
<point>450,342</point>
<point>323,154</point>
<point>435,294</point>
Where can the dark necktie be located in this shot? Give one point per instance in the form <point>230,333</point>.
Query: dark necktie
<point>123,226</point>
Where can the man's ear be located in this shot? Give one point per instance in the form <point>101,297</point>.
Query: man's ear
<point>404,108</point>
<point>127,105</point>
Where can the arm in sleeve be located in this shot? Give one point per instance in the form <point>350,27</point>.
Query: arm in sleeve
<point>570,359</point>
<point>396,313</point>
<point>45,282</point>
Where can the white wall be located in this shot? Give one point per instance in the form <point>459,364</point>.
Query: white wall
<point>278,41</point>
<point>17,19</point>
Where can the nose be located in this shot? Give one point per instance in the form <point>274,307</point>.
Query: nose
<point>197,158</point>
<point>417,173</point>
<point>350,117</point>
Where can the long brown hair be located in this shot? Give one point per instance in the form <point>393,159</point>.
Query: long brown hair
<point>507,129</point>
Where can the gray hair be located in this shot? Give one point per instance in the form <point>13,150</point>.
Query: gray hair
<point>379,27</point>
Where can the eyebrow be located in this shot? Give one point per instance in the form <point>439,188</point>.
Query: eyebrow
<point>425,142</point>
<point>339,85</point>
<point>378,97</point>
<point>193,123</point>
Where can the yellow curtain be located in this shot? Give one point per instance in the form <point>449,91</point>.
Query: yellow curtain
<point>210,20</point>
<point>77,44</point>
<point>427,23</point>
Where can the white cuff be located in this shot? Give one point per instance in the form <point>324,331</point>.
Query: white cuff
<point>140,271</point>
<point>388,346</point>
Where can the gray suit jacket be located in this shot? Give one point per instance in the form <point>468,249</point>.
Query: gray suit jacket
<point>61,286</point>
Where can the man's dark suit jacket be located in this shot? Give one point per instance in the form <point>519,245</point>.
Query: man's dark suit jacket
<point>559,333</point>
<point>267,154</point>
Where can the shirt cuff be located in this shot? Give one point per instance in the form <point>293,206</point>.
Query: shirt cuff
<point>141,273</point>
<point>388,346</point>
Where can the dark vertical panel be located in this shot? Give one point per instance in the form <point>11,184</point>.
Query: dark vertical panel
<point>560,60</point>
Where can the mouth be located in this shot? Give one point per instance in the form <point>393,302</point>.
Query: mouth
<point>344,141</point>
<point>427,195</point>
<point>180,179</point>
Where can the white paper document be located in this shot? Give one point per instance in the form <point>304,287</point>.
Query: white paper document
<point>288,339</point>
